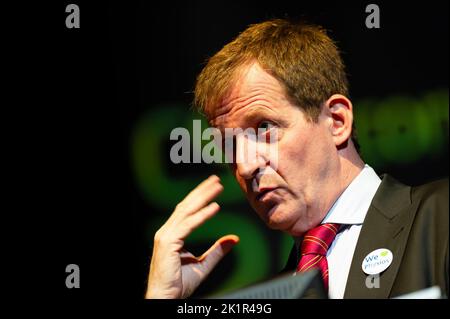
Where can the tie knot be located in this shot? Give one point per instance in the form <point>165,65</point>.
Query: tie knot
<point>318,240</point>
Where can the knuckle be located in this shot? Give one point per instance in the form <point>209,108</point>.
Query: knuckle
<point>180,206</point>
<point>159,236</point>
<point>163,238</point>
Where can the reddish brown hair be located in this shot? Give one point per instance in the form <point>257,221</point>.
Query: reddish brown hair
<point>301,56</point>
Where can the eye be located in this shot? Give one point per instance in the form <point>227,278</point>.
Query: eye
<point>266,129</point>
<point>266,125</point>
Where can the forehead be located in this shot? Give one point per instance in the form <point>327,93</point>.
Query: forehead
<point>255,90</point>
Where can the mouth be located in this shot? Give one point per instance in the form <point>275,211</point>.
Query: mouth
<point>262,194</point>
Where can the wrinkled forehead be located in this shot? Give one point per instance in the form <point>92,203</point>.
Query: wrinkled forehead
<point>236,88</point>
<point>252,85</point>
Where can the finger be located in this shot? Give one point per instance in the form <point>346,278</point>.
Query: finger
<point>225,243</point>
<point>197,199</point>
<point>199,202</point>
<point>196,220</point>
<point>203,186</point>
<point>189,206</point>
<point>217,251</point>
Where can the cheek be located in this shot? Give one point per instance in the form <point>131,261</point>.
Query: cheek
<point>240,180</point>
<point>292,154</point>
<point>302,155</point>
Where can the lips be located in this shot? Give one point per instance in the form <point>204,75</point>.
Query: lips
<point>263,191</point>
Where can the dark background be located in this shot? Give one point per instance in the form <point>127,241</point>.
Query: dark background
<point>94,83</point>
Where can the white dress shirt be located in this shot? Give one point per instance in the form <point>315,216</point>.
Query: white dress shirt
<point>349,210</point>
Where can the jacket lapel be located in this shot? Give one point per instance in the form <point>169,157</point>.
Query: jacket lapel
<point>387,225</point>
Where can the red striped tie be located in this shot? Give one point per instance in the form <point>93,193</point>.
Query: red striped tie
<point>314,249</point>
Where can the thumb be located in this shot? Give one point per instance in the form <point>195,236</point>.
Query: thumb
<point>217,251</point>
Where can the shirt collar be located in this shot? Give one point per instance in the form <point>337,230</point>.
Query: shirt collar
<point>351,207</point>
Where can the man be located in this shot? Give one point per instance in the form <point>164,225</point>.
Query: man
<point>289,79</point>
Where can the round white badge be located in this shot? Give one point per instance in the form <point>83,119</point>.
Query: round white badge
<point>377,261</point>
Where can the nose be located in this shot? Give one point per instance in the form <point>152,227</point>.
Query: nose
<point>248,170</point>
<point>248,159</point>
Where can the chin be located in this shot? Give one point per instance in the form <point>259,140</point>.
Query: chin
<point>285,221</point>
<point>297,229</point>
<point>278,219</point>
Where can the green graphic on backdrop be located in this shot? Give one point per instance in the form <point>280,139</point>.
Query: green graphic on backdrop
<point>395,130</point>
<point>150,165</point>
<point>402,129</point>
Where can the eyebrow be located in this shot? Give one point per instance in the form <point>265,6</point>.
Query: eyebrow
<point>255,112</point>
<point>250,115</point>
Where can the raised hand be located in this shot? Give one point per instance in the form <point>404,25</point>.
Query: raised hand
<point>175,272</point>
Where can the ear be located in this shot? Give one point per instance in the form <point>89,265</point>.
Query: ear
<point>341,112</point>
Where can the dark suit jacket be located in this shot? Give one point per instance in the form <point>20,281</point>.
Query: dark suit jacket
<point>412,222</point>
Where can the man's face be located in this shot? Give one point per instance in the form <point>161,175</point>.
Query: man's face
<point>293,195</point>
